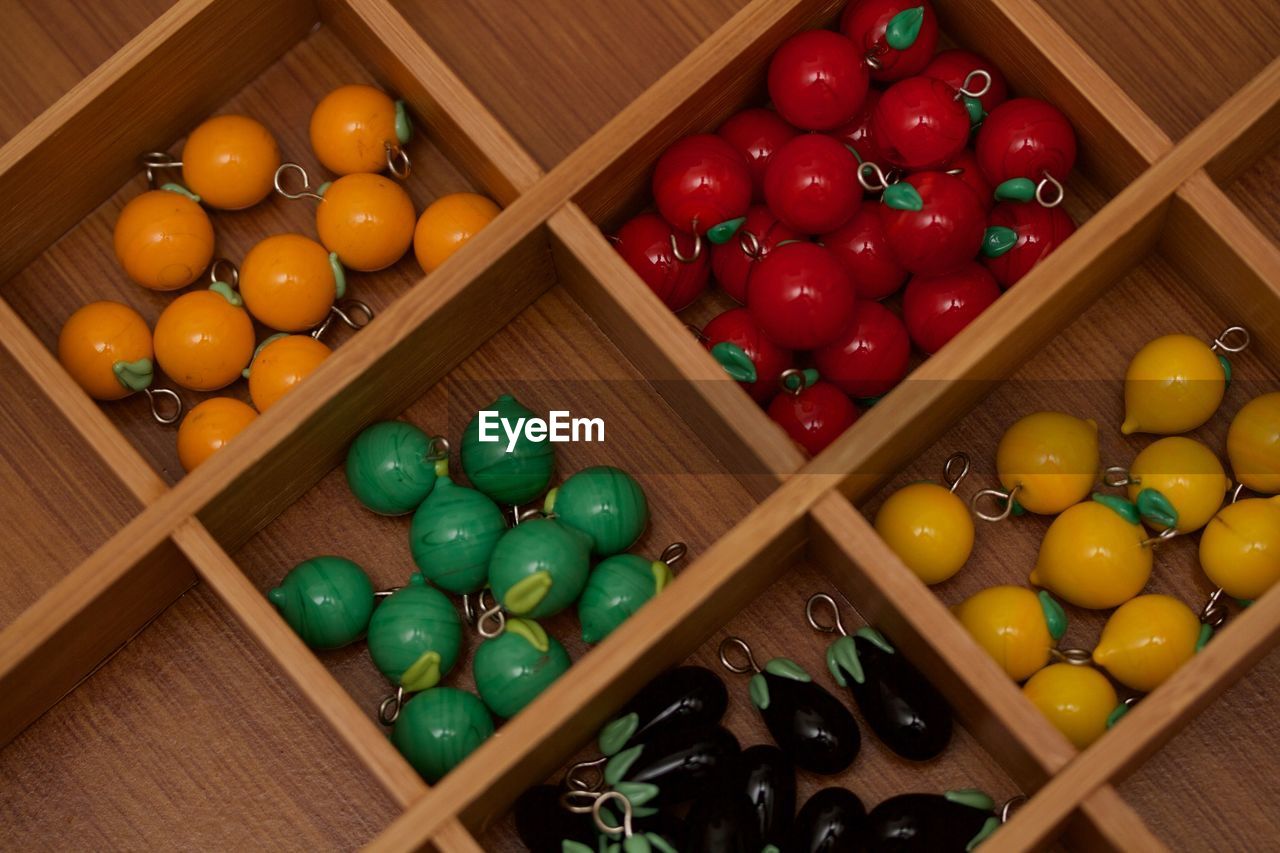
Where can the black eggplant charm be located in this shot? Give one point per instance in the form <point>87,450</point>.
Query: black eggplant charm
<point>676,767</point>
<point>806,721</point>
<point>769,779</point>
<point>954,822</point>
<point>721,822</point>
<point>900,705</point>
<point>687,697</point>
<point>833,820</point>
<point>543,824</point>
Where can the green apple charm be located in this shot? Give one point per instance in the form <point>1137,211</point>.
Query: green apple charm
<point>603,502</point>
<point>453,535</point>
<point>392,466</point>
<point>513,477</point>
<point>326,600</point>
<point>415,635</point>
<point>439,728</point>
<point>539,568</point>
<point>619,585</point>
<point>512,668</point>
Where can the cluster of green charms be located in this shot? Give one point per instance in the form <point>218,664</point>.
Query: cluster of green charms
<point>461,544</point>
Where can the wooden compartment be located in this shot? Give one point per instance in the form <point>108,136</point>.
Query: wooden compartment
<point>540,299</point>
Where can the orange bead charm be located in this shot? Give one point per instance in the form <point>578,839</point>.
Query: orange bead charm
<point>447,224</point>
<point>289,282</point>
<point>106,347</point>
<point>359,129</point>
<point>204,338</point>
<point>230,161</point>
<point>367,219</point>
<point>209,427</point>
<point>163,239</point>
<point>280,364</point>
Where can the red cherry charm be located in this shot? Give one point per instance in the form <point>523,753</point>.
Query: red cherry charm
<point>954,67</point>
<point>757,133</point>
<point>812,184</point>
<point>1020,236</point>
<point>933,223</point>
<point>1025,147</point>
<point>921,123</point>
<point>858,134</point>
<point>769,360</point>
<point>733,262</point>
<point>861,247</point>
<point>896,37</point>
<point>965,167</point>
<point>814,416</point>
<point>645,243</point>
<point>817,80</point>
<point>869,357</point>
<point>801,297</point>
<point>938,307</point>
<point>702,184</point>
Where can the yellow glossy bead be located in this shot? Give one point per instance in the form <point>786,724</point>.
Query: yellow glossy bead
<point>1240,547</point>
<point>1146,640</point>
<point>1053,457</point>
<point>1009,623</point>
<point>1187,473</point>
<point>367,219</point>
<point>1093,557</point>
<point>94,339</point>
<point>929,528</point>
<point>281,365</point>
<point>1253,444</point>
<point>163,239</point>
<point>203,341</point>
<point>351,128</point>
<point>1076,699</point>
<point>230,162</point>
<point>447,224</point>
<point>1174,384</point>
<point>209,427</point>
<point>288,282</point>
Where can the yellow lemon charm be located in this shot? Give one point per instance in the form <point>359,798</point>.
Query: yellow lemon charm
<point>1240,547</point>
<point>1078,700</point>
<point>1017,627</point>
<point>1253,444</point>
<point>1093,555</point>
<point>928,527</point>
<point>1182,471</point>
<point>1046,462</point>
<point>1147,639</point>
<point>1175,383</point>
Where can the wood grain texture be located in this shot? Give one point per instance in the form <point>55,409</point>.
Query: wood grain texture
<point>1254,135</point>
<point>1213,48</point>
<point>1255,190</point>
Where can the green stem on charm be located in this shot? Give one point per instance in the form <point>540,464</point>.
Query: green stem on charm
<point>134,375</point>
<point>997,240</point>
<point>971,797</point>
<point>1121,507</point>
<point>904,28</point>
<point>1206,633</point>
<point>1055,618</point>
<point>227,292</point>
<point>1154,506</point>
<point>422,674</point>
<point>902,196</point>
<point>735,361</point>
<point>1016,189</point>
<point>875,638</point>
<point>1116,713</point>
<point>404,127</point>
<point>265,341</point>
<point>992,824</point>
<point>758,688</point>
<point>800,380</point>
<point>527,593</point>
<point>1226,367</point>
<point>180,190</point>
<point>842,657</point>
<point>617,732</point>
<point>531,631</point>
<point>720,234</point>
<point>323,188</point>
<point>787,668</point>
<point>339,276</point>
<point>976,112</point>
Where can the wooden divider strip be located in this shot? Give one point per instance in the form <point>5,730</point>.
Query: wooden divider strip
<point>1245,128</point>
<point>1113,823</point>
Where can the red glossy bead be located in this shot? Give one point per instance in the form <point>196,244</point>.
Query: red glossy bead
<point>858,133</point>
<point>757,133</point>
<point>936,308</point>
<point>801,297</point>
<point>817,80</point>
<point>869,357</point>
<point>965,167</point>
<point>812,184</point>
<point>954,66</point>
<point>814,417</point>
<point>700,182</point>
<point>920,123</point>
<point>1025,138</point>
<point>866,22</point>
<point>737,327</point>
<point>733,262</point>
<point>944,234</point>
<point>860,246</point>
<point>645,244</point>
<point>1039,230</point>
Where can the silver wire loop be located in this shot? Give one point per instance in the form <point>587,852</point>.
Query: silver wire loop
<point>731,642</point>
<point>223,270</point>
<point>965,91</point>
<point>1050,182</point>
<point>697,248</point>
<point>952,478</point>
<point>607,797</point>
<point>809,607</point>
<point>154,395</point>
<point>1160,538</point>
<point>784,380</point>
<point>975,503</point>
<point>530,513</point>
<point>398,162</point>
<point>1006,810</point>
<point>957,171</point>
<point>1222,342</point>
<point>389,708</point>
<point>437,448</point>
<point>380,594</point>
<point>573,777</point>
<point>673,553</point>
<point>153,161</point>
<point>750,244</point>
<point>305,192</point>
<point>1215,612</point>
<point>579,800</point>
<point>473,611</point>
<point>1237,492</point>
<point>1116,476</point>
<point>882,180</point>
<point>495,615</point>
<point>352,313</point>
<point>1075,657</point>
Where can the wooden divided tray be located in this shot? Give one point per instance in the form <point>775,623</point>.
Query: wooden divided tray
<point>151,696</point>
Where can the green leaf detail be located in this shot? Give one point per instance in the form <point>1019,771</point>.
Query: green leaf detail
<point>875,638</point>
<point>615,770</point>
<point>1226,367</point>
<point>226,292</point>
<point>1206,632</point>
<point>659,842</point>
<point>1121,507</point>
<point>1245,602</point>
<point>735,361</point>
<point>803,379</point>
<point>758,688</point>
<point>1116,713</point>
<point>992,824</point>
<point>339,276</point>
<point>1019,509</point>
<point>1016,189</point>
<point>527,593</point>
<point>532,632</point>
<point>769,848</point>
<point>323,188</point>
<point>638,793</point>
<point>568,846</point>
<point>662,575</point>
<point>549,502</point>
<point>975,110</point>
<point>904,28</point>
<point>265,342</point>
<point>997,240</point>
<point>902,196</point>
<point>854,152</point>
<point>1054,616</point>
<point>134,375</point>
<point>971,797</point>
<point>720,234</point>
<point>1154,506</point>
<point>617,732</point>
<point>404,127</point>
<point>787,668</point>
<point>422,674</point>
<point>636,844</point>
<point>842,657</point>
<point>180,190</point>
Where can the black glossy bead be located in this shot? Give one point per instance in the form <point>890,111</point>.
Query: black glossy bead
<point>682,764</point>
<point>769,780</point>
<point>542,823</point>
<point>689,697</point>
<point>832,821</point>
<point>721,822</point>
<point>809,724</point>
<point>925,823</point>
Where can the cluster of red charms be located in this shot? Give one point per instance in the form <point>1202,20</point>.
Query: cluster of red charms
<point>968,181</point>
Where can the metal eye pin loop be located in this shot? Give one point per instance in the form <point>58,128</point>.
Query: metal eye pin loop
<point>305,192</point>
<point>697,247</point>
<point>579,800</point>
<point>386,593</point>
<point>1006,810</point>
<point>965,91</point>
<point>398,162</point>
<point>155,395</point>
<point>750,244</point>
<point>1160,538</point>
<point>1116,476</point>
<point>1222,342</point>
<point>495,615</point>
<point>953,479</point>
<point>223,270</point>
<point>882,180</point>
<point>810,608</point>
<point>153,161</point>
<point>389,708</point>
<point>673,553</point>
<point>474,611</point>
<point>437,448</point>
<point>1215,612</point>
<point>1075,657</point>
<point>1008,498</point>
<point>738,642</point>
<point>1049,182</point>
<point>573,777</point>
<point>607,797</point>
